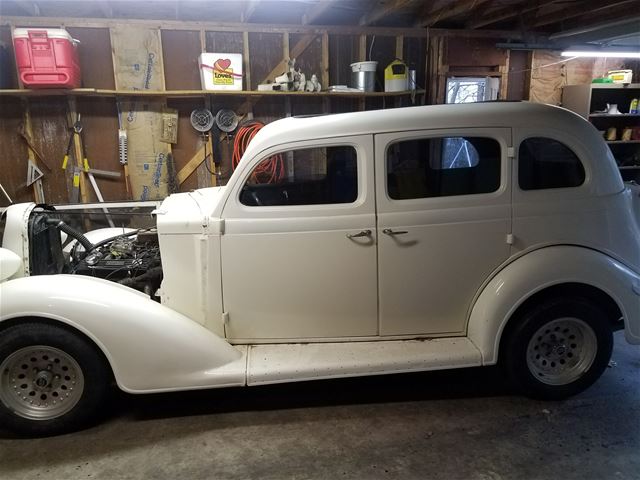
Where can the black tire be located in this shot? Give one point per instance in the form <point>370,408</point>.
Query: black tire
<point>94,371</point>
<point>531,377</point>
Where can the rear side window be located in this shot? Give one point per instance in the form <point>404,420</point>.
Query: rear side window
<point>443,166</point>
<point>310,176</point>
<point>546,163</point>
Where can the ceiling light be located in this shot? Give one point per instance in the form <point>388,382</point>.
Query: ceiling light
<point>600,53</point>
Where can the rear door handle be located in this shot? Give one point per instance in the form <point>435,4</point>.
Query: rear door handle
<point>388,231</point>
<point>363,233</point>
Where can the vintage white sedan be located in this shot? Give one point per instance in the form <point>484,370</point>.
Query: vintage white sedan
<point>365,243</point>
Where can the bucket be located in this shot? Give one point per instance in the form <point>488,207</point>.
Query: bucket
<point>363,76</point>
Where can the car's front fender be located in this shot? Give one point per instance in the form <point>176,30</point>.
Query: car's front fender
<point>150,347</point>
<point>544,268</point>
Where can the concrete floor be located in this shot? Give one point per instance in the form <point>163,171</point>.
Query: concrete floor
<point>448,425</point>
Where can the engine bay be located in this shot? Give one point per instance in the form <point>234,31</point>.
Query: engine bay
<point>128,255</point>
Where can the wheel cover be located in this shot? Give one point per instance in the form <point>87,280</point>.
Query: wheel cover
<point>40,382</point>
<point>561,351</point>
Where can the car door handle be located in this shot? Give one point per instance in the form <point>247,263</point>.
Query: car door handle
<point>388,231</point>
<point>362,233</point>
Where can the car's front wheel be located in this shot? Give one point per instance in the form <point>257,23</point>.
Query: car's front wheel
<point>558,348</point>
<point>51,380</point>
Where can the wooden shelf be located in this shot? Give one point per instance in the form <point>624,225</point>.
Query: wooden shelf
<point>94,92</point>
<point>620,142</point>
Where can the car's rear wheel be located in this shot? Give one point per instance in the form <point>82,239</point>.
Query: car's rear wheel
<point>51,380</point>
<point>558,348</point>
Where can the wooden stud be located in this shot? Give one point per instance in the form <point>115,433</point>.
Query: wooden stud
<point>400,47</point>
<point>324,77</point>
<point>362,57</point>
<point>247,107</point>
<point>504,77</point>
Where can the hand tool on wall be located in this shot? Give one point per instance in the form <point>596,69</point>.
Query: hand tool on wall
<point>34,177</point>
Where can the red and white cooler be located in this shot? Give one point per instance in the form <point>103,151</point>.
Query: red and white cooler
<point>46,58</point>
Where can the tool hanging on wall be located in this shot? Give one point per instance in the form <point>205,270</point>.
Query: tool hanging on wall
<point>123,152</point>
<point>202,120</point>
<point>34,177</point>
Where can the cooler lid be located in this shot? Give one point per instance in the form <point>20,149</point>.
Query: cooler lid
<point>51,33</point>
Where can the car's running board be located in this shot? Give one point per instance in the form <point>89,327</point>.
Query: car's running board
<point>311,361</point>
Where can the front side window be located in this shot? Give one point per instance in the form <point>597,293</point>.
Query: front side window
<point>546,163</point>
<point>309,176</point>
<point>444,166</point>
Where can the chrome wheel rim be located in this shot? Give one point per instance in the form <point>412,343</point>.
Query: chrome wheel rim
<point>40,382</point>
<point>561,351</point>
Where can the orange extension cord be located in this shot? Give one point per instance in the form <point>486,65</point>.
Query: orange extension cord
<point>270,170</point>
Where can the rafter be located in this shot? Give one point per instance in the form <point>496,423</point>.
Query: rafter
<point>249,10</point>
<point>315,11</point>
<point>503,14</point>
<point>603,6</point>
<point>382,10</point>
<point>431,17</point>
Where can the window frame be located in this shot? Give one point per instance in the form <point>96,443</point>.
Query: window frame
<point>502,135</point>
<point>362,143</point>
<point>564,143</point>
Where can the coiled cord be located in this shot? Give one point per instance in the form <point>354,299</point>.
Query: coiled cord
<point>270,170</point>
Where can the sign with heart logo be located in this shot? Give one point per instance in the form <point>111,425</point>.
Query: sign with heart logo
<point>221,71</point>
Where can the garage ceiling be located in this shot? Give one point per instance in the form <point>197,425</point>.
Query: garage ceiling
<point>567,21</point>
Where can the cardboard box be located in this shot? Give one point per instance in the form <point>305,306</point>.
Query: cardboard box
<point>220,71</point>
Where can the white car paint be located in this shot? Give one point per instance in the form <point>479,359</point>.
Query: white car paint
<point>245,288</point>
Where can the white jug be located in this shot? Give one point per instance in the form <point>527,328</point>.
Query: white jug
<point>612,109</point>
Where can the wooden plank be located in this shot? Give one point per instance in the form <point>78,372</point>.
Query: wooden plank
<point>362,57</point>
<point>325,64</point>
<point>400,47</point>
<point>212,26</point>
<point>504,78</point>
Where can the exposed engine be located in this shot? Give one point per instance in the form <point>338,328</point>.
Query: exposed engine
<point>130,257</point>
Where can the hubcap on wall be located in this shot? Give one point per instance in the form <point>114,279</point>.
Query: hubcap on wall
<point>40,382</point>
<point>561,351</point>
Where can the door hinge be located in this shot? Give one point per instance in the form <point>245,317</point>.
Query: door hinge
<point>225,318</point>
<point>509,238</point>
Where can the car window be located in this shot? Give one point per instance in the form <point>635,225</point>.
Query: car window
<point>547,163</point>
<point>309,176</point>
<point>443,166</point>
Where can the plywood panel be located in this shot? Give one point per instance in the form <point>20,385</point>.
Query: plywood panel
<point>95,57</point>
<point>181,49</point>
<point>310,60</point>
<point>50,135</point>
<point>13,161</point>
<point>266,53</point>
<point>224,42</point>
<point>100,133</point>
<point>343,51</point>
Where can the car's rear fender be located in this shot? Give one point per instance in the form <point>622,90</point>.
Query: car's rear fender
<point>540,270</point>
<point>149,347</point>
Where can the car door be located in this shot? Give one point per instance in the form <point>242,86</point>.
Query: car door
<point>444,215</point>
<point>298,250</point>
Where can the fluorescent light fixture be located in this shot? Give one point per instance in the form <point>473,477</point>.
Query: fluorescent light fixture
<point>600,53</point>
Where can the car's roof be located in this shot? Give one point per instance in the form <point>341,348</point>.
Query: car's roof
<point>580,134</point>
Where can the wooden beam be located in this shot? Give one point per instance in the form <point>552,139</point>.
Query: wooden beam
<point>249,10</point>
<point>324,75</point>
<point>381,10</point>
<point>315,11</point>
<point>431,17</point>
<point>213,26</point>
<point>505,13</point>
<point>294,52</point>
<point>580,10</point>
